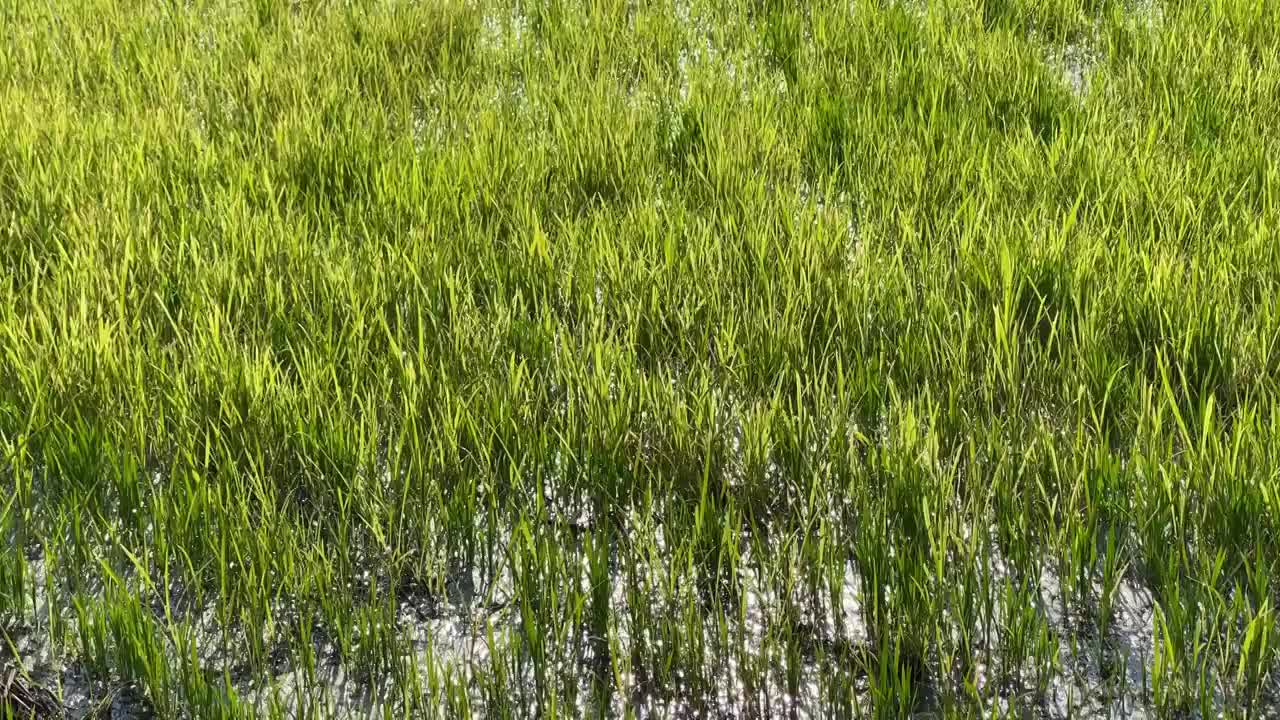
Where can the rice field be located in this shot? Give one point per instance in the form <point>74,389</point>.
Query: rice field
<point>618,359</point>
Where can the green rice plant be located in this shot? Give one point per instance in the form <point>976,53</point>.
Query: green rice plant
<point>594,358</point>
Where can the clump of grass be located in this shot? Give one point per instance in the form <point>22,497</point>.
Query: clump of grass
<point>602,358</point>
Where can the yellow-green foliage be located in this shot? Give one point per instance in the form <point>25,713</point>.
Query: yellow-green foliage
<point>592,357</point>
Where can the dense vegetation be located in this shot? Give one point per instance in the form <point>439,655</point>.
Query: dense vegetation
<point>605,358</point>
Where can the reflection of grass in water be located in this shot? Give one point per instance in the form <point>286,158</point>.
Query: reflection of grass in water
<point>481,358</point>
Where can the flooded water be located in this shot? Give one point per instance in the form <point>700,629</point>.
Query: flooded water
<point>453,634</point>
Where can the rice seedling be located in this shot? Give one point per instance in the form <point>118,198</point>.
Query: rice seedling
<point>593,358</point>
